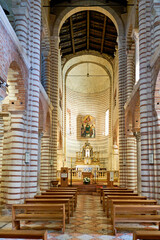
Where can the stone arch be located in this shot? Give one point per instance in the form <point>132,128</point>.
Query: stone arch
<point>14,115</point>
<point>82,58</point>
<point>17,90</point>
<point>116,19</point>
<point>108,11</point>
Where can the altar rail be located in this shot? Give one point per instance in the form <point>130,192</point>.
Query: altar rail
<point>98,175</point>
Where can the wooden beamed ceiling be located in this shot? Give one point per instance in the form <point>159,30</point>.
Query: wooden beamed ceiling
<point>88,30</point>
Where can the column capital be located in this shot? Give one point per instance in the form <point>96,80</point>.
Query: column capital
<point>135,34</point>
<point>137,136</point>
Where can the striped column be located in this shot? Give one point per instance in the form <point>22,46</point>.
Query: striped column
<point>39,161</point>
<point>1,145</point>
<point>138,143</point>
<point>13,158</point>
<point>54,101</point>
<point>21,15</point>
<point>21,133</point>
<point>131,162</point>
<point>149,181</point>
<point>130,70</point>
<point>122,99</point>
<point>45,77</point>
<point>32,120</point>
<point>156,19</point>
<point>45,163</point>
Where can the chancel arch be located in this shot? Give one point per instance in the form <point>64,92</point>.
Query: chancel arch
<point>61,17</point>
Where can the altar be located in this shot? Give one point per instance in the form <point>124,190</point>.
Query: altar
<point>87,160</point>
<point>87,168</point>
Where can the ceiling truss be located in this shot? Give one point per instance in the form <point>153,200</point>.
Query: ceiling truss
<point>88,30</point>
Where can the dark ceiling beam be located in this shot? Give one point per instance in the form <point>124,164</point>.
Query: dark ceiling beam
<point>72,36</point>
<point>87,30</point>
<point>103,33</point>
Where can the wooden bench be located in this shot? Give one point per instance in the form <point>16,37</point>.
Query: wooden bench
<point>109,188</point>
<point>131,202</point>
<point>115,191</point>
<point>115,197</point>
<point>135,214</point>
<point>146,235</point>
<point>66,191</point>
<point>105,194</point>
<point>25,234</point>
<point>38,212</point>
<point>70,197</point>
<point>63,193</point>
<point>63,188</point>
<point>52,201</point>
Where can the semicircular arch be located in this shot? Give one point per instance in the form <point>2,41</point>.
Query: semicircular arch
<point>106,10</point>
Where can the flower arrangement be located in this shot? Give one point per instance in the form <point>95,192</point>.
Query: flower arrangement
<point>86,180</point>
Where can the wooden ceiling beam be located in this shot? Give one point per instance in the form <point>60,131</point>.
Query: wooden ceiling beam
<point>103,33</point>
<point>87,30</point>
<point>72,36</point>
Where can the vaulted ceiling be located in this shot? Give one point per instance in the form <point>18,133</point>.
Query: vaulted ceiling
<point>88,30</point>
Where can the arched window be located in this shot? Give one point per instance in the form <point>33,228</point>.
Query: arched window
<point>107,123</point>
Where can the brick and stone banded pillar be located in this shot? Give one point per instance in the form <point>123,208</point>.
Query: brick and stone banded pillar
<point>32,119</point>
<point>13,167</point>
<point>45,77</point>
<point>21,15</point>
<point>130,71</point>
<point>1,145</point>
<point>54,100</point>
<point>122,99</point>
<point>131,162</point>
<point>146,99</point>
<point>155,11</point>
<point>45,163</point>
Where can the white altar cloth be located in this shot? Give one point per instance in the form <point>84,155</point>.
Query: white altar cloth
<point>87,168</point>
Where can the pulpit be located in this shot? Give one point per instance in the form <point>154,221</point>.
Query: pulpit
<point>64,177</point>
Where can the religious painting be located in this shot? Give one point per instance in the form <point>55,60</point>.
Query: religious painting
<point>88,127</point>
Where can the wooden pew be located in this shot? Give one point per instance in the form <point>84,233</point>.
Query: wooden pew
<point>115,190</point>
<point>131,202</point>
<point>70,197</point>
<point>135,214</point>
<point>38,212</point>
<point>63,188</point>
<point>109,188</point>
<point>63,193</point>
<point>52,201</point>
<point>146,235</point>
<point>25,234</point>
<point>105,194</point>
<point>116,197</point>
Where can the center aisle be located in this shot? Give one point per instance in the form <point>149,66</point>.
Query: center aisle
<point>89,217</point>
<point>89,222</point>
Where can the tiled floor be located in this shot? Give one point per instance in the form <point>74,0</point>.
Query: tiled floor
<point>88,223</point>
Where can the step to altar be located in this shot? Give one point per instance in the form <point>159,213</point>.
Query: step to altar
<point>87,189</point>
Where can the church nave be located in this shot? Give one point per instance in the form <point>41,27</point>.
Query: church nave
<point>89,222</point>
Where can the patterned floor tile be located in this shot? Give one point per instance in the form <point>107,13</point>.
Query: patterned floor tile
<point>89,222</point>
